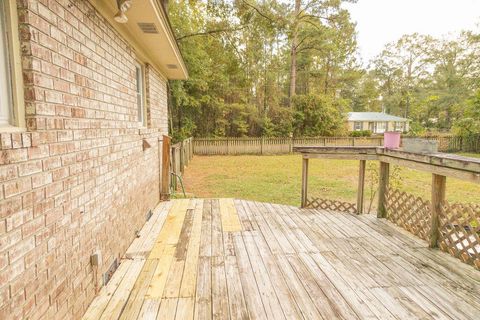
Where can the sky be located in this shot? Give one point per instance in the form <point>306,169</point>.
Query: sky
<point>382,21</point>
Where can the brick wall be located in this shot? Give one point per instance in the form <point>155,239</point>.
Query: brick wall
<point>78,180</point>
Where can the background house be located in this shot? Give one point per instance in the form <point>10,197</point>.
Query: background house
<point>376,122</point>
<point>80,93</point>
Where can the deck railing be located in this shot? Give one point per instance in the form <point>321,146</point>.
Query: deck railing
<point>454,227</point>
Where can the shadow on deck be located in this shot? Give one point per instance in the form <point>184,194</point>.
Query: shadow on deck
<point>235,259</point>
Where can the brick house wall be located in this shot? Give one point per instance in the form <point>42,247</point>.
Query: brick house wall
<point>78,180</point>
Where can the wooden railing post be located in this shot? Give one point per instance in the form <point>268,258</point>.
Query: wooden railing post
<point>382,188</point>
<point>361,186</point>
<point>165,185</point>
<point>438,196</point>
<point>304,181</point>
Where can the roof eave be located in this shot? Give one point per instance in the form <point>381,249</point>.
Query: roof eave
<point>160,50</point>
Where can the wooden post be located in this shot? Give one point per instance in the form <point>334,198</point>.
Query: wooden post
<point>361,186</point>
<point>191,148</point>
<point>290,149</point>
<point>382,188</point>
<point>165,186</point>
<point>182,157</point>
<point>261,146</point>
<point>304,181</point>
<point>438,196</point>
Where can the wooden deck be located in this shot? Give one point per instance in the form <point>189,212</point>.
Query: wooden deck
<point>234,259</point>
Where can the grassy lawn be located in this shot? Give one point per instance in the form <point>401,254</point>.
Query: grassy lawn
<point>277,179</point>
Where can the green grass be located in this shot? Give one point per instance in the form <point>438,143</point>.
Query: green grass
<point>473,155</point>
<point>277,179</point>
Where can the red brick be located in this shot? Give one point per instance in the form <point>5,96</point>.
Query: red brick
<point>12,156</point>
<point>53,189</point>
<point>39,152</point>
<point>8,172</point>
<point>29,167</point>
<point>15,187</point>
<point>20,249</point>
<point>33,226</point>
<point>41,179</point>
<point>18,218</point>
<point>9,206</point>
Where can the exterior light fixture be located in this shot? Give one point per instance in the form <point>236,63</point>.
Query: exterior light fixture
<point>123,6</point>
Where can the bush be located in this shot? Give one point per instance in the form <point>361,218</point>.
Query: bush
<point>466,127</point>
<point>361,133</point>
<point>317,115</point>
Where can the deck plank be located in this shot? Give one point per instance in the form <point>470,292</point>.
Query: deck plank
<point>187,289</point>
<point>237,259</point>
<point>203,298</point>
<point>236,300</point>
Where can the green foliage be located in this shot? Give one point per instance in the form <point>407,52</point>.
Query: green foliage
<point>470,124</point>
<point>466,127</point>
<point>243,58</point>
<point>429,80</point>
<point>416,129</point>
<point>360,133</point>
<point>238,57</point>
<point>317,115</point>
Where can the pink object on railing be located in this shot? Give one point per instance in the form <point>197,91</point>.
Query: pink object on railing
<point>391,140</point>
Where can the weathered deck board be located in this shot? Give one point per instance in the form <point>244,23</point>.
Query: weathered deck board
<point>234,259</point>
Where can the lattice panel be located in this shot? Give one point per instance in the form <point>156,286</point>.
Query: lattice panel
<point>459,229</point>
<point>409,212</point>
<point>326,204</point>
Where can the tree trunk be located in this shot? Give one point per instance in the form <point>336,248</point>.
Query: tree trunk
<point>293,54</point>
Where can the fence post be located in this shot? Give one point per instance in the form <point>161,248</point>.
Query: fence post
<point>382,188</point>
<point>261,145</point>
<point>173,161</point>
<point>165,187</point>
<point>191,148</point>
<point>438,196</point>
<point>353,142</point>
<point>290,149</point>
<point>182,157</point>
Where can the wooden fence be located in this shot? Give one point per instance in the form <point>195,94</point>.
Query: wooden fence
<point>238,146</point>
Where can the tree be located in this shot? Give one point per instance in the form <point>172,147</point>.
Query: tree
<point>317,115</point>
<point>401,68</point>
<point>306,17</point>
<point>248,61</point>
